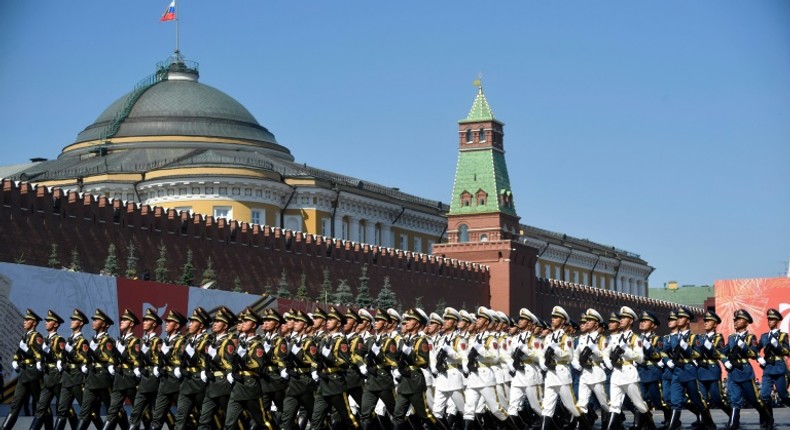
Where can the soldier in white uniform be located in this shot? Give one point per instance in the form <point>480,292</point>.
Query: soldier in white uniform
<point>622,353</point>
<point>500,322</point>
<point>555,359</point>
<point>589,359</point>
<point>446,367</point>
<point>523,364</point>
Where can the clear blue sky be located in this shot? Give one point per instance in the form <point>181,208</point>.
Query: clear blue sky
<point>660,127</point>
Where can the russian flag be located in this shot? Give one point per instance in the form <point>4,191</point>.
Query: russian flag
<point>170,13</point>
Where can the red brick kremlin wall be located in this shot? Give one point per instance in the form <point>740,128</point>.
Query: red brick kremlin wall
<point>33,218</point>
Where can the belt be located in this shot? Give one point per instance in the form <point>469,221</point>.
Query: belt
<point>271,369</point>
<point>709,361</point>
<point>28,361</point>
<point>71,366</point>
<point>218,374</point>
<point>330,370</point>
<point>412,368</point>
<point>193,369</point>
<point>742,361</point>
<point>52,366</point>
<point>247,373</point>
<point>98,365</point>
<point>301,370</point>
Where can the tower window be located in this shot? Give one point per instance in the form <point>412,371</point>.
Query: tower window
<point>466,199</point>
<point>482,134</point>
<point>463,233</point>
<point>468,135</point>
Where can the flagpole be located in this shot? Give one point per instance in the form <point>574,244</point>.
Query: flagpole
<point>178,51</point>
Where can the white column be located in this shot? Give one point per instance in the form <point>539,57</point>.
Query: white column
<point>386,236</point>
<point>370,231</point>
<point>353,226</point>
<point>338,226</point>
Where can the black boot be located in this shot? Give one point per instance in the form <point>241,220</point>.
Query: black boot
<point>469,425</point>
<point>60,424</point>
<point>110,424</point>
<point>769,418</point>
<point>674,421</point>
<point>9,422</point>
<point>37,423</point>
<point>707,420</point>
<point>584,423</point>
<point>510,424</point>
<point>735,420</point>
<point>615,420</point>
<point>547,424</point>
<point>83,425</point>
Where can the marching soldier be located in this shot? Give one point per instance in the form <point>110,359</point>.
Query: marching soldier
<point>380,359</point>
<point>218,366</point>
<point>622,353</point>
<point>53,348</point>
<point>74,366</point>
<point>776,349</point>
<point>448,379</point>
<point>171,349</point>
<point>98,382</point>
<point>275,347</point>
<point>523,364</point>
<point>588,356</point>
<point>302,362</point>
<point>649,370</point>
<point>709,371</point>
<point>27,363</point>
<point>126,369</point>
<point>193,360</point>
<point>150,345</point>
<point>741,347</point>
<point>354,379</point>
<point>666,375</point>
<point>319,320</point>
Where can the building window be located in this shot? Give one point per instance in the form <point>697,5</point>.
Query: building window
<point>481,197</point>
<point>182,191</point>
<point>195,190</point>
<point>463,233</point>
<point>466,198</point>
<point>482,134</point>
<point>418,244</point>
<point>345,229</point>
<point>404,242</point>
<point>236,191</point>
<point>326,226</point>
<point>223,191</point>
<point>469,136</point>
<point>222,212</point>
<point>483,237</point>
<point>258,193</point>
<point>209,190</point>
<point>258,216</point>
<point>430,246</point>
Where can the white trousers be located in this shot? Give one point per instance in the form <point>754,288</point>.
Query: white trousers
<point>486,395</point>
<point>517,396</point>
<point>565,394</point>
<point>587,390</point>
<point>618,393</point>
<point>447,401</point>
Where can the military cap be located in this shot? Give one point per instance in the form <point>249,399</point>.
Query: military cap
<point>394,315</point>
<point>176,317</point>
<point>513,322</point>
<point>451,313</point>
<point>224,315</point>
<point>352,314</point>
<point>100,315</point>
<point>423,316</point>
<point>290,314</point>
<point>30,315</point>
<point>574,324</point>
<point>272,315</point>
<point>381,314</point>
<point>742,314</point>
<point>79,316</point>
<point>416,314</point>
<point>466,316</point>
<point>200,315</point>
<point>594,315</point>
<point>649,316</point>
<point>364,315</point>
<point>558,311</point>
<point>544,324</point>
<point>301,316</point>
<point>318,313</point>
<point>52,316</point>
<point>335,313</point>
<point>626,311</point>
<point>684,312</point>
<point>711,316</point>
<point>128,315</point>
<point>503,317</point>
<point>583,317</point>
<point>527,315</point>
<point>249,315</point>
<point>774,314</point>
<point>613,317</point>
<point>673,316</point>
<point>483,312</point>
<point>436,318</point>
<point>151,315</point>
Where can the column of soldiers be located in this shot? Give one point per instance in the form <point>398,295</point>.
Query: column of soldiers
<point>383,370</point>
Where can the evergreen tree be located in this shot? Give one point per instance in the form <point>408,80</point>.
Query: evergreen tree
<point>160,272</point>
<point>418,302</point>
<point>74,266</point>
<point>188,271</point>
<point>363,299</point>
<point>282,289</point>
<point>301,292</point>
<point>343,295</point>
<point>386,298</point>
<point>131,261</point>
<point>440,305</point>
<point>111,263</point>
<point>268,290</point>
<point>209,275</point>
<point>54,260</point>
<point>237,285</point>
<point>326,288</point>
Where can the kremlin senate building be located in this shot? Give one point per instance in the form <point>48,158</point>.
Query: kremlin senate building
<point>186,152</point>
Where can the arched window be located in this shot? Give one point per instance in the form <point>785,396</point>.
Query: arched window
<point>466,198</point>
<point>468,135</point>
<point>482,134</point>
<point>463,233</point>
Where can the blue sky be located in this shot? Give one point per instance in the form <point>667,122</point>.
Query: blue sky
<point>660,127</point>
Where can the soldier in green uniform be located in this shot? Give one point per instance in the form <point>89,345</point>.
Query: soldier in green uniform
<point>301,362</point>
<point>275,347</point>
<point>193,360</point>
<point>126,370</point>
<point>414,355</point>
<point>27,355</point>
<point>333,362</point>
<point>98,382</point>
<point>73,365</point>
<point>219,365</point>
<point>169,360</point>
<point>319,321</point>
<point>149,382</point>
<point>381,357</point>
<point>53,348</point>
<point>246,393</point>
<point>356,345</point>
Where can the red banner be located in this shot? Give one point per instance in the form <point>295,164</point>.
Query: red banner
<point>140,295</point>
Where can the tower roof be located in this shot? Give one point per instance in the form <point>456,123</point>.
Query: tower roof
<point>481,111</point>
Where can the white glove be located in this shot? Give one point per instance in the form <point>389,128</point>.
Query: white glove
<point>284,374</point>
<point>375,349</point>
<point>38,366</point>
<point>740,343</point>
<point>111,369</point>
<point>94,345</point>
<point>761,361</point>
<point>314,374</point>
<point>266,347</point>
<point>670,364</point>
<point>577,366</point>
<point>69,348</point>
<point>121,347</point>
<point>156,371</point>
<point>325,351</point>
<point>242,352</point>
<point>45,347</point>
<point>465,369</point>
<point>647,346</point>
<point>84,369</point>
<point>407,349</point>
<point>480,349</point>
<point>166,348</point>
<point>212,352</point>
<point>363,369</point>
<point>684,344</point>
<point>774,342</point>
<point>295,349</point>
<point>137,373</point>
<point>510,368</point>
<point>177,373</point>
<point>190,350</point>
<point>660,364</point>
<point>203,376</point>
<point>595,349</point>
<point>59,365</point>
<point>396,374</point>
<point>145,348</point>
<point>447,349</point>
<point>728,365</point>
<point>543,367</point>
<point>230,379</point>
<point>23,346</point>
<point>708,345</point>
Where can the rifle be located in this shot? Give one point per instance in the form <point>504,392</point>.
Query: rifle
<point>585,358</point>
<point>441,361</point>
<point>616,357</point>
<point>551,360</point>
<point>770,350</point>
<point>517,356</point>
<point>472,361</point>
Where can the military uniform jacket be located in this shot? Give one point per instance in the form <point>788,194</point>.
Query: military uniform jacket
<point>169,357</point>
<point>249,367</point>
<point>451,379</point>
<point>709,368</point>
<point>380,364</point>
<point>684,358</point>
<point>632,355</point>
<point>126,362</point>
<point>192,365</point>
<point>101,354</point>
<point>220,365</point>
<point>488,353</point>
<point>149,357</point>
<point>563,355</point>
<point>301,362</point>
<point>411,364</point>
<point>775,355</point>
<point>356,346</point>
<point>650,370</point>
<point>530,348</point>
<point>56,345</point>
<point>276,352</point>
<point>590,361</point>
<point>27,359</point>
<point>332,369</point>
<point>76,354</point>
<point>666,375</point>
<point>739,349</point>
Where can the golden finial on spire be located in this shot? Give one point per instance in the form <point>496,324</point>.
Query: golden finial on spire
<point>479,81</point>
